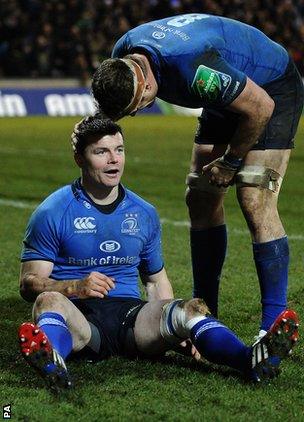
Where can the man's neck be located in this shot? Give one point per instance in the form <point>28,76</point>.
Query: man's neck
<point>101,195</point>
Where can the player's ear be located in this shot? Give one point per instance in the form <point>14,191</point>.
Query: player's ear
<point>148,86</point>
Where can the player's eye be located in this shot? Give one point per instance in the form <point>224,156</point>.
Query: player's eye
<point>100,151</point>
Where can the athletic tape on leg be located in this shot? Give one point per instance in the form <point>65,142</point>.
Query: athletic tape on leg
<point>201,182</point>
<point>260,177</point>
<point>174,324</point>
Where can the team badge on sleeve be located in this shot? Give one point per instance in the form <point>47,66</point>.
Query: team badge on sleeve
<point>210,84</point>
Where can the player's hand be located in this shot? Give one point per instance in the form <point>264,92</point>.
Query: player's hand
<point>190,350</point>
<point>74,139</point>
<point>94,285</point>
<point>220,172</point>
<point>195,353</point>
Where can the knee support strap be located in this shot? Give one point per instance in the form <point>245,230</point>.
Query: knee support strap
<point>200,182</point>
<point>260,177</point>
<point>176,323</point>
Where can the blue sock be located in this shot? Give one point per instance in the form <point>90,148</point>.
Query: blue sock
<point>272,261</point>
<point>208,251</point>
<point>220,345</point>
<point>54,326</point>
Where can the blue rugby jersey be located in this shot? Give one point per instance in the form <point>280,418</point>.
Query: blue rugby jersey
<point>202,60</point>
<point>68,230</point>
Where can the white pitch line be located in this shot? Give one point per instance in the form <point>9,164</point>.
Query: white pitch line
<point>182,223</point>
<point>238,232</point>
<point>32,151</point>
<point>17,204</point>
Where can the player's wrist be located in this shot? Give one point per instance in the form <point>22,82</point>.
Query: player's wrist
<point>232,161</point>
<point>71,288</point>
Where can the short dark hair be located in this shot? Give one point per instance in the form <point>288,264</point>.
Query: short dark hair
<point>113,87</point>
<point>90,129</point>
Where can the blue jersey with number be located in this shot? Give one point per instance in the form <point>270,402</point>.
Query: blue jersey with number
<point>203,60</point>
<point>68,230</point>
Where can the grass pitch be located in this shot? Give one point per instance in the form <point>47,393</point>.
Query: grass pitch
<point>36,159</point>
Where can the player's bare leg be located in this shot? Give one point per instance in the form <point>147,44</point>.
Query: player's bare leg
<point>75,320</point>
<point>161,325</point>
<point>270,243</point>
<point>260,205</point>
<point>208,234</point>
<point>147,330</point>
<point>59,328</point>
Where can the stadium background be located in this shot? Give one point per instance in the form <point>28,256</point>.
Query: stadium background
<point>48,51</point>
<point>63,42</point>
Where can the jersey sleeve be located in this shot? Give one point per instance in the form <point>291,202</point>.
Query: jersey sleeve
<point>151,259</point>
<point>41,240</point>
<point>216,82</point>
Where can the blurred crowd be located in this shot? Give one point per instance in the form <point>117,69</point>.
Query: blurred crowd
<point>68,38</point>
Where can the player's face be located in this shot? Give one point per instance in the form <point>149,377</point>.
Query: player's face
<point>147,100</point>
<point>104,161</point>
<point>148,96</point>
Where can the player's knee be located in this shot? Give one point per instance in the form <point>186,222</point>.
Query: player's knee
<point>179,316</point>
<point>192,197</point>
<point>49,301</point>
<point>195,307</point>
<point>257,205</point>
<point>250,202</point>
<point>205,210</point>
<point>196,198</point>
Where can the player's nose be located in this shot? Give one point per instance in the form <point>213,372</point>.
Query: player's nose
<point>113,157</point>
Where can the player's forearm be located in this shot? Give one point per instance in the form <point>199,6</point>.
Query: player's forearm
<point>159,291</point>
<point>32,285</point>
<point>251,125</point>
<point>247,134</point>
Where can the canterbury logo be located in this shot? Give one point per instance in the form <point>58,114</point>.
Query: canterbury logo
<point>83,223</point>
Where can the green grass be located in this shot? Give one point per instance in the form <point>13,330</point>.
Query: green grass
<point>35,159</point>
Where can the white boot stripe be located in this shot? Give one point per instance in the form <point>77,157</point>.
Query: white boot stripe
<point>58,359</point>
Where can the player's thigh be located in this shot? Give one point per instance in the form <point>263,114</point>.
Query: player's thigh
<point>214,132</point>
<point>203,154</point>
<point>276,159</point>
<point>147,329</point>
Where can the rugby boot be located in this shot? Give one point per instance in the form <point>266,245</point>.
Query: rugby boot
<point>38,352</point>
<point>275,345</point>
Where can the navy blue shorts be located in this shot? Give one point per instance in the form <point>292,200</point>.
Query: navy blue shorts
<point>114,318</point>
<point>218,126</point>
